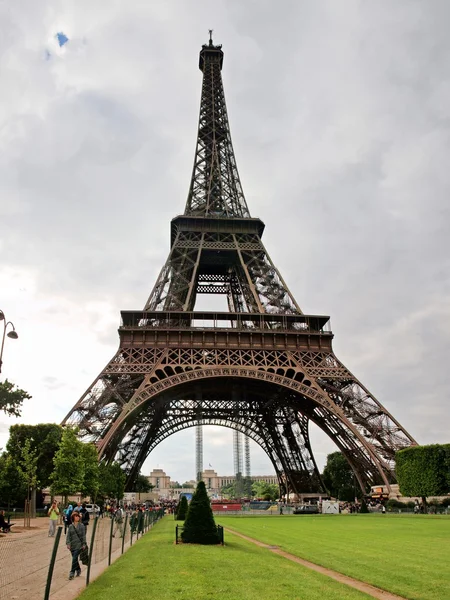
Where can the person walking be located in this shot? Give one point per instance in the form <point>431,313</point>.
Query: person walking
<point>53,513</point>
<point>134,521</point>
<point>118,518</point>
<point>76,541</point>
<point>67,517</point>
<point>140,521</point>
<point>84,515</point>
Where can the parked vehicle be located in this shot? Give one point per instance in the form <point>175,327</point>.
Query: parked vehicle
<point>93,509</point>
<point>306,509</point>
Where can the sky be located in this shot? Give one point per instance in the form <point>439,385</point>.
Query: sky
<point>340,119</point>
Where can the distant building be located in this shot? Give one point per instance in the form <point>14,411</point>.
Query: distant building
<point>163,487</point>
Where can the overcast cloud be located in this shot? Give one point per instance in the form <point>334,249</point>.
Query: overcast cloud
<point>340,116</point>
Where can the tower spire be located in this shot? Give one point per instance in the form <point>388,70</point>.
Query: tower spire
<point>215,188</point>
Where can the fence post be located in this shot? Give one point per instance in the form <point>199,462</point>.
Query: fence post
<point>91,549</point>
<point>110,539</point>
<point>124,531</point>
<point>52,563</point>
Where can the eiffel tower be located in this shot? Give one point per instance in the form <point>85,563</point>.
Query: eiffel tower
<point>262,368</point>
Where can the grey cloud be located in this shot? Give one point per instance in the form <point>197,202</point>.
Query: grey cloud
<point>340,122</point>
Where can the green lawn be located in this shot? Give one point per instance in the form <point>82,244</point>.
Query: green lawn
<point>156,568</point>
<point>406,554</point>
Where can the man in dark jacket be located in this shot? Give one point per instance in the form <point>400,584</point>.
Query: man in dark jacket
<point>84,515</point>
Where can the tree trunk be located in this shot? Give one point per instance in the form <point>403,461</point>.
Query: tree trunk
<point>424,505</point>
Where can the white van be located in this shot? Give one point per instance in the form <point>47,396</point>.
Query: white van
<point>93,509</point>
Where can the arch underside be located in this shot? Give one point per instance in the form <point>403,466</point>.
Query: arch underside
<point>145,395</point>
<point>276,418</point>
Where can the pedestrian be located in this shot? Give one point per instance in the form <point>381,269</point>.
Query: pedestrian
<point>118,519</point>
<point>76,541</point>
<point>84,515</point>
<point>67,517</point>
<point>134,521</point>
<point>140,522</point>
<point>53,513</point>
<point>383,510</point>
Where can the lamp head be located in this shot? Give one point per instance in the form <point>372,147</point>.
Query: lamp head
<point>13,335</point>
<point>2,315</point>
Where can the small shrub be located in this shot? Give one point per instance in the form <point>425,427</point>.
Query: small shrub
<point>182,509</point>
<point>199,526</point>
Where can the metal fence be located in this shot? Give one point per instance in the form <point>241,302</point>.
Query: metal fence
<point>26,571</point>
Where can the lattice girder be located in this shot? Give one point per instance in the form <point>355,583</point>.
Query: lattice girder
<point>175,366</point>
<point>252,416</point>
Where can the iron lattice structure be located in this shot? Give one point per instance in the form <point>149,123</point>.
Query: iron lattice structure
<point>262,368</point>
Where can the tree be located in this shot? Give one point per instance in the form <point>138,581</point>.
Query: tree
<point>199,526</point>
<point>112,480</point>
<point>45,439</point>
<point>264,490</point>
<point>28,468</point>
<point>424,470</point>
<point>338,477</point>
<point>91,482</point>
<point>13,487</point>
<point>182,509</point>
<point>11,398</point>
<point>142,485</point>
<point>247,486</point>
<point>68,475</point>
<point>229,491</point>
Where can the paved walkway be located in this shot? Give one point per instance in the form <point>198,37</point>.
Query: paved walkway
<point>371,590</point>
<point>30,586</point>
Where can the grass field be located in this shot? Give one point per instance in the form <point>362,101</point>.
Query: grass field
<point>155,568</point>
<point>408,555</point>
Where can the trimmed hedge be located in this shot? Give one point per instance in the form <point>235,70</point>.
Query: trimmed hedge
<point>182,509</point>
<point>424,470</point>
<point>199,526</point>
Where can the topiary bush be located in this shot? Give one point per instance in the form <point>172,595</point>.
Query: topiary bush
<point>199,526</point>
<point>182,509</point>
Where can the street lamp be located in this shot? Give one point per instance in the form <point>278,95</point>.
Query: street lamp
<point>11,334</point>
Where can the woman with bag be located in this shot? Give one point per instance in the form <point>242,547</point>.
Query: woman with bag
<point>76,542</point>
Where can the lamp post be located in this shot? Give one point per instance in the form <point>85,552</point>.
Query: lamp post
<point>11,334</point>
